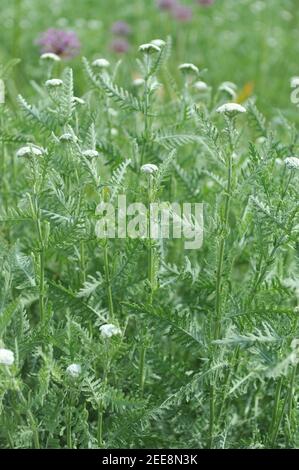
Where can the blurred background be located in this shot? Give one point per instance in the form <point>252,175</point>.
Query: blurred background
<point>253,43</point>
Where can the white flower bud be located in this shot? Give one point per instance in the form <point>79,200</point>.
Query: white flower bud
<point>201,86</point>
<point>231,108</point>
<point>292,163</point>
<point>67,137</point>
<point>90,153</point>
<point>101,63</point>
<point>109,330</point>
<point>189,68</point>
<point>78,100</point>
<point>30,150</point>
<point>6,357</point>
<point>138,82</point>
<point>50,56</point>
<point>149,168</point>
<point>73,370</point>
<point>54,82</point>
<point>229,88</point>
<point>149,48</point>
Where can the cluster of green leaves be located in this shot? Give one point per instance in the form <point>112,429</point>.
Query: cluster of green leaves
<point>168,380</point>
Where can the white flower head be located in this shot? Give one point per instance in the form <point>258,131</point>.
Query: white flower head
<point>261,140</point>
<point>50,56</point>
<point>78,100</point>
<point>137,82</point>
<point>231,85</point>
<point>68,137</point>
<point>6,357</point>
<point>90,153</point>
<point>158,42</point>
<point>189,68</point>
<point>294,82</point>
<point>109,330</point>
<point>231,109</point>
<point>149,48</point>
<point>114,132</point>
<point>73,370</point>
<point>54,82</point>
<point>201,86</point>
<point>292,163</point>
<point>30,150</point>
<point>101,63</point>
<point>230,88</point>
<point>149,168</point>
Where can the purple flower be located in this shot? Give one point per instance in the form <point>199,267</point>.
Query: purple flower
<point>121,28</point>
<point>58,41</point>
<point>205,3</point>
<point>120,45</point>
<point>182,13</point>
<point>166,4</point>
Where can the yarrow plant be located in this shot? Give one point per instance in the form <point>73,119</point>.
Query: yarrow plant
<point>114,331</point>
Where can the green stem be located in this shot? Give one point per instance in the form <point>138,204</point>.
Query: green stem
<point>100,426</point>
<point>273,428</point>
<point>108,281</point>
<point>100,423</point>
<point>222,250</point>
<point>212,418</point>
<point>41,271</point>
<point>142,369</point>
<point>146,107</point>
<point>69,427</point>
<point>82,262</point>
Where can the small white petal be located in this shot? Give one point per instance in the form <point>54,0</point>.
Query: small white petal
<point>74,370</point>
<point>229,108</point>
<point>6,357</point>
<point>149,168</point>
<point>109,330</point>
<point>50,56</point>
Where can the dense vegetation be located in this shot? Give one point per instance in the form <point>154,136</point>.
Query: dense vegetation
<point>136,342</point>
